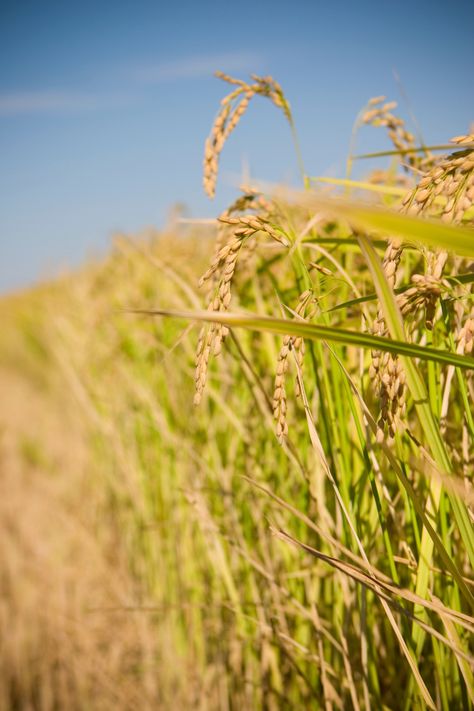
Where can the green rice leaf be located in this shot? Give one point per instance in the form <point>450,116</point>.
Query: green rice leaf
<point>364,217</point>
<point>316,332</point>
<point>418,149</point>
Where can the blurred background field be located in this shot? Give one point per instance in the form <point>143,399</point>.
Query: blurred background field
<point>83,429</point>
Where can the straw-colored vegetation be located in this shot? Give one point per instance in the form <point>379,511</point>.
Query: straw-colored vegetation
<point>302,536</point>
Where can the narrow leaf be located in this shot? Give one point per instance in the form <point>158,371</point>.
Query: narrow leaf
<point>316,332</point>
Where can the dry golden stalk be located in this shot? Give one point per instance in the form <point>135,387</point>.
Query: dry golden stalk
<point>319,268</point>
<point>238,229</point>
<point>225,260</point>
<point>233,107</point>
<point>267,86</point>
<point>380,114</point>
<point>250,199</point>
<point>423,295</point>
<point>279,393</point>
<point>259,201</point>
<point>233,228</point>
<point>202,360</point>
<point>391,261</point>
<point>465,345</point>
<point>236,115</point>
<point>385,369</point>
<point>466,335</point>
<point>299,351</point>
<point>290,344</point>
<point>230,80</point>
<point>386,177</point>
<point>376,100</point>
<point>451,178</point>
<point>248,225</point>
<point>225,253</point>
<point>461,140</point>
<point>211,337</point>
<point>432,284</point>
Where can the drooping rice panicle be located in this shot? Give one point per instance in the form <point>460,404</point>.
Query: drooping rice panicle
<point>233,107</point>
<point>291,345</point>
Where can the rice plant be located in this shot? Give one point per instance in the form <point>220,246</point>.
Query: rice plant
<point>301,536</point>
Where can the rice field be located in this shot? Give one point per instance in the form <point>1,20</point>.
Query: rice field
<point>237,458</point>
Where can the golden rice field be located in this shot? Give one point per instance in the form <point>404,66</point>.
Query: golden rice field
<point>236,458</point>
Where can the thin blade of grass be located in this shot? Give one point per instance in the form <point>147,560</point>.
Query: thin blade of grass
<point>315,332</point>
<point>371,218</point>
<point>405,151</point>
<point>378,588</point>
<point>360,185</point>
<point>464,666</point>
<point>467,278</point>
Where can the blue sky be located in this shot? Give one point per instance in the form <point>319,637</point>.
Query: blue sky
<point>104,106</point>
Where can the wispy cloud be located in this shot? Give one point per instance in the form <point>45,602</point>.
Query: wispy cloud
<point>34,102</point>
<point>15,103</point>
<point>199,67</point>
